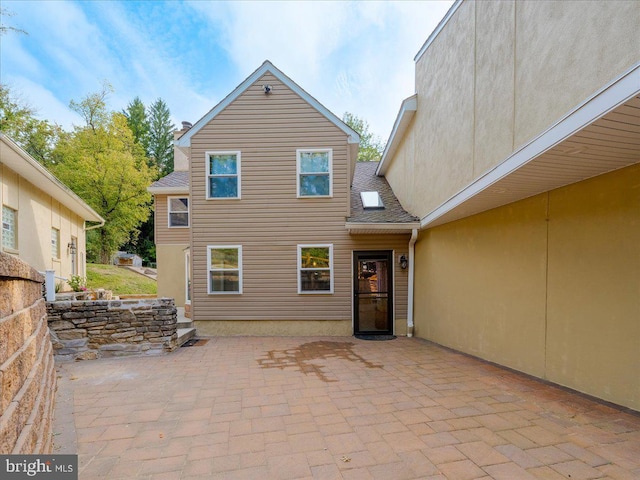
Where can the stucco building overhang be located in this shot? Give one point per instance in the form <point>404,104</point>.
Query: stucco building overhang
<point>15,158</point>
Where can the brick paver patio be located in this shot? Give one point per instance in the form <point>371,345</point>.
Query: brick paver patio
<point>332,408</point>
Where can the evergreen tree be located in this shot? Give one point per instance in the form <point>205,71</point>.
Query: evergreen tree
<point>138,123</point>
<point>161,136</point>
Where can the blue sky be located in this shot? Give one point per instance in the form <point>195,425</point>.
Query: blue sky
<point>354,56</point>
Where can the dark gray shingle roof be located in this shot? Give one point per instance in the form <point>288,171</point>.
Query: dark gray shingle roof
<point>173,180</point>
<point>366,180</point>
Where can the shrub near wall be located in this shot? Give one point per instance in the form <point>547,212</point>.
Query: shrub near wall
<point>27,374</point>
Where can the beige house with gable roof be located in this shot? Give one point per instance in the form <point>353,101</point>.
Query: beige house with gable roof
<point>516,166</point>
<point>43,222</point>
<point>263,218</point>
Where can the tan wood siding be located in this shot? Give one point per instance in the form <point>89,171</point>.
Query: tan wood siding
<point>164,234</point>
<point>269,221</point>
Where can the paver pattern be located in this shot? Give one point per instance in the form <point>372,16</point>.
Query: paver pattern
<point>332,408</point>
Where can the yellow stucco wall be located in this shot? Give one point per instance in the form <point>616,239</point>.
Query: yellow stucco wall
<point>37,214</point>
<point>543,286</point>
<point>171,272</point>
<point>498,75</point>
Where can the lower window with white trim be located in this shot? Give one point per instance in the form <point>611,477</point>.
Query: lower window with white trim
<point>315,268</point>
<point>224,264</point>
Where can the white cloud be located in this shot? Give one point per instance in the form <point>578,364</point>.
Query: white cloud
<point>351,56</point>
<point>44,102</point>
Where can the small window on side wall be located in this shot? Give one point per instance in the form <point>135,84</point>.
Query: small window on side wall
<point>55,243</point>
<point>225,268</point>
<point>223,175</point>
<point>314,172</point>
<point>315,269</point>
<point>178,208</point>
<point>9,228</point>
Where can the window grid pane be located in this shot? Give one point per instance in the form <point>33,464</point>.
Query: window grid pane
<point>224,270</point>
<point>314,185</point>
<point>55,243</point>
<point>315,269</point>
<point>223,174</point>
<point>179,205</point>
<point>314,162</point>
<point>178,212</point>
<point>8,227</point>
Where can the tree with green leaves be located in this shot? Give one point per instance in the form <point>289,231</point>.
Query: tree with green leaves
<point>138,122</point>
<point>371,147</point>
<point>160,145</point>
<point>18,121</point>
<point>105,166</point>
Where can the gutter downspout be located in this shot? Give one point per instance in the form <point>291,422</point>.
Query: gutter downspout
<point>93,227</point>
<point>412,242</point>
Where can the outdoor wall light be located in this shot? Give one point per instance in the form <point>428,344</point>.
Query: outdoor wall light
<point>403,262</point>
<point>267,89</point>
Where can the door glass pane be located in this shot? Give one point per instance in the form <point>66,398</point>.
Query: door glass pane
<point>373,312</point>
<point>372,291</point>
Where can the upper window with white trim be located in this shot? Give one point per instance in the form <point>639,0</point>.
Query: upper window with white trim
<point>314,167</point>
<point>224,263</point>
<point>9,228</point>
<point>223,174</point>
<point>178,208</point>
<point>315,268</point>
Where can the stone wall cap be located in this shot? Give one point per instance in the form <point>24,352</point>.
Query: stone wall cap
<point>13,267</point>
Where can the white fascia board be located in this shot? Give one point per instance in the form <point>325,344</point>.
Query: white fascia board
<point>382,226</point>
<point>438,29</point>
<point>602,102</point>
<point>168,190</point>
<point>15,158</point>
<point>267,66</point>
<point>405,115</point>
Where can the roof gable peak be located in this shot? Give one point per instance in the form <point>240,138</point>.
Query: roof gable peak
<point>267,66</point>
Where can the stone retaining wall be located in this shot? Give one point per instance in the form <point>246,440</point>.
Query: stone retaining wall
<point>84,330</point>
<point>27,373</point>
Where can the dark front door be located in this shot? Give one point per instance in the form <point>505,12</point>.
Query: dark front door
<point>372,292</point>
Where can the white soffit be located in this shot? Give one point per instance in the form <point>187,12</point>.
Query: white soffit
<point>600,136</point>
<point>405,115</point>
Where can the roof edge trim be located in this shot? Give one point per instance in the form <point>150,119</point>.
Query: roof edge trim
<point>61,193</point>
<point>438,29</point>
<point>381,226</point>
<point>612,95</point>
<point>407,110</point>
<point>267,66</point>
<point>167,190</point>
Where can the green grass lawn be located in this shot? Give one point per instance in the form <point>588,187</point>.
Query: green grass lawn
<point>119,280</point>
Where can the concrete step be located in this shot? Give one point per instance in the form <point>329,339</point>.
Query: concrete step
<point>184,323</point>
<point>185,334</point>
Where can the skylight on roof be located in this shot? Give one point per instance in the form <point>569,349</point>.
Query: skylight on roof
<point>371,200</point>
